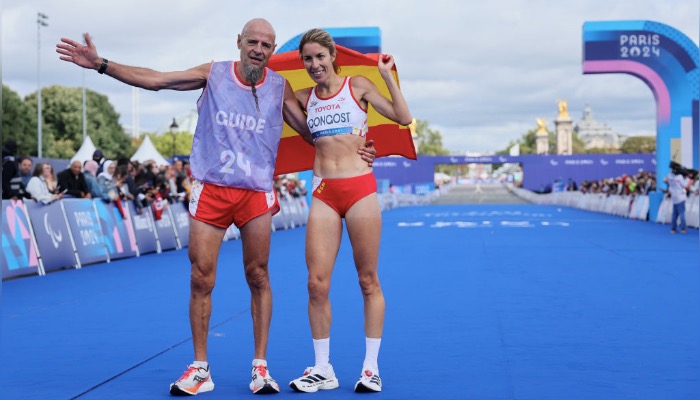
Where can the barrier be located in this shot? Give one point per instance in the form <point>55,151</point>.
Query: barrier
<point>628,206</point>
<point>71,233</point>
<point>19,248</point>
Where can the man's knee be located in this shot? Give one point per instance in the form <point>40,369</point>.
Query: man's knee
<point>257,277</point>
<point>202,279</point>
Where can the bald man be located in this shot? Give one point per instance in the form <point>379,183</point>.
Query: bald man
<point>73,181</point>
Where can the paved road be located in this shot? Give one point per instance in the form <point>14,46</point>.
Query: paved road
<point>485,193</point>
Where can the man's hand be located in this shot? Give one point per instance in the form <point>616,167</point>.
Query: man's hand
<point>367,152</point>
<point>84,55</point>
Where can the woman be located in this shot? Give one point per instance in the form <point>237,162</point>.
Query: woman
<point>38,185</point>
<point>106,179</point>
<point>52,181</point>
<point>343,187</point>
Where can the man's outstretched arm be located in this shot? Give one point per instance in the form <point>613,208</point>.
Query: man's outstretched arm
<point>86,56</point>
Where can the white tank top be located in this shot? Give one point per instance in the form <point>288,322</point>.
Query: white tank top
<point>339,114</point>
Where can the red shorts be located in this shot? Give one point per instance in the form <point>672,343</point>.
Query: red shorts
<point>342,193</point>
<point>222,205</point>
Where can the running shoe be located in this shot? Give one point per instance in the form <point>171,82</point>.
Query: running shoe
<point>195,380</point>
<point>368,382</point>
<point>314,380</point>
<point>262,382</point>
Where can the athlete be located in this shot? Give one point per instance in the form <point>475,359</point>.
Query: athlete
<point>343,188</point>
<point>241,110</point>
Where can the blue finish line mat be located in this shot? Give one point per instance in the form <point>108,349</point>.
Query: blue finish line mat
<point>483,302</point>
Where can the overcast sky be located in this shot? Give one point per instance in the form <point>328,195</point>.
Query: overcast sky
<point>481,72</point>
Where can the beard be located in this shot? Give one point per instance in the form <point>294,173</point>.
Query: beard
<point>253,74</point>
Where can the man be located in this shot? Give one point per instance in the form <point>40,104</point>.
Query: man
<point>26,169</point>
<point>12,186</point>
<point>241,115</point>
<point>677,190</point>
<point>73,181</point>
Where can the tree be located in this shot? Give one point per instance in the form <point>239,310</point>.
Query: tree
<point>62,130</point>
<point>171,143</point>
<point>639,144</point>
<point>429,140</point>
<point>18,122</point>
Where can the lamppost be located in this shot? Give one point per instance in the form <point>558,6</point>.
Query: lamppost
<point>40,21</point>
<point>173,127</point>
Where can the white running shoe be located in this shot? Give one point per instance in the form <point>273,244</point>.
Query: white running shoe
<point>314,380</point>
<point>195,380</point>
<point>261,381</point>
<point>368,382</point>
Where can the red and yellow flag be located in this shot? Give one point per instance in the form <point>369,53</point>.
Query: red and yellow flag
<point>390,138</point>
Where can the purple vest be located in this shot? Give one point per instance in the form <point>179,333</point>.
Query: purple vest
<point>235,144</point>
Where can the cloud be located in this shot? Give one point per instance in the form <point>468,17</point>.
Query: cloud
<point>480,72</point>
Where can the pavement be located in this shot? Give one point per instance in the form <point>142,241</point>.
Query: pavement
<point>484,193</point>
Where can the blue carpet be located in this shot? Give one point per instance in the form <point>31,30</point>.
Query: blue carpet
<point>483,302</point>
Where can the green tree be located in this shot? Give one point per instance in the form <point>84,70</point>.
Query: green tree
<point>171,143</point>
<point>429,140</point>
<point>639,144</point>
<point>18,122</point>
<point>62,130</point>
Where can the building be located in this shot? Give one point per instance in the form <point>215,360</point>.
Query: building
<point>596,135</point>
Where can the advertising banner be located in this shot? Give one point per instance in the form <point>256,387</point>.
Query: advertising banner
<point>52,235</point>
<point>117,229</point>
<point>166,231</point>
<point>85,229</point>
<point>181,220</point>
<point>144,229</point>
<point>19,255</point>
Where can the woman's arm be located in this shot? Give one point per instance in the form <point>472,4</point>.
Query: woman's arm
<point>395,109</point>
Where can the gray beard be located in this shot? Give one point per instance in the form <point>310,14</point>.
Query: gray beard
<point>253,75</point>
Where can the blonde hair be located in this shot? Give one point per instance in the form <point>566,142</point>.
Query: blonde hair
<point>323,38</point>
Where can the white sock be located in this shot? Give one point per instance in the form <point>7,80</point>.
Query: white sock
<point>201,364</point>
<point>258,361</point>
<point>322,350</point>
<point>371,354</point>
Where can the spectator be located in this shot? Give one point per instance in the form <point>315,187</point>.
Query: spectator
<point>72,180</point>
<point>38,184</point>
<point>99,158</point>
<point>106,180</point>
<point>52,181</point>
<point>12,186</point>
<point>90,171</point>
<point>26,169</point>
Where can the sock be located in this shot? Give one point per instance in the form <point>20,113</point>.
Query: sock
<point>322,350</point>
<point>201,364</point>
<point>371,354</point>
<point>258,361</point>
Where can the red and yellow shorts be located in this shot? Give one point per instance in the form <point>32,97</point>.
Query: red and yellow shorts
<point>342,193</point>
<point>222,205</point>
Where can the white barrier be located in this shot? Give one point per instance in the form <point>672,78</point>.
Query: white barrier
<point>628,206</point>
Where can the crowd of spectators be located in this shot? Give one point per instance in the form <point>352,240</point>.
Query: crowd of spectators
<point>642,183</point>
<point>115,181</point>
<point>289,186</point>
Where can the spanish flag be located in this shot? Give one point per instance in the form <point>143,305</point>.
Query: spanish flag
<point>295,154</point>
